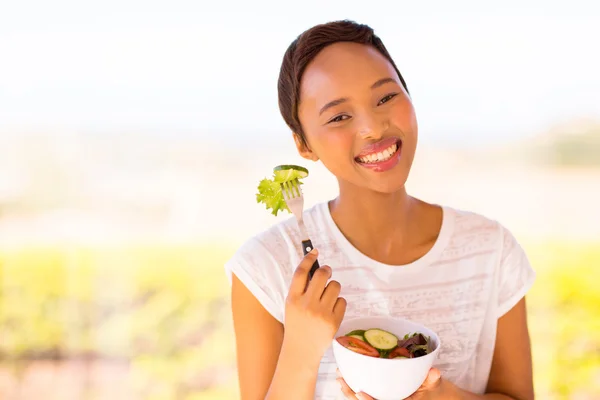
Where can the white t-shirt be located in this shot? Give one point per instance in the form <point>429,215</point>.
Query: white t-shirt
<point>474,273</point>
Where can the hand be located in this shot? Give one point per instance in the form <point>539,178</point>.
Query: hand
<point>313,311</point>
<point>433,388</point>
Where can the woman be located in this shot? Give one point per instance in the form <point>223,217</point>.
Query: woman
<point>382,251</point>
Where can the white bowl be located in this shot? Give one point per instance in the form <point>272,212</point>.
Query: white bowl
<point>382,378</point>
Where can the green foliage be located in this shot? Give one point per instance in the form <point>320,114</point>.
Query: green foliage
<point>572,145</point>
<point>564,320</point>
<point>166,309</point>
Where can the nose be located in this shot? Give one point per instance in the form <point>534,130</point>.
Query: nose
<point>372,126</point>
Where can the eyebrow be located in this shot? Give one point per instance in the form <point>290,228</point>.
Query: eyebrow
<point>339,101</point>
<point>382,82</point>
<point>333,103</point>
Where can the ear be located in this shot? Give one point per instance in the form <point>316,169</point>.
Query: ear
<point>303,149</point>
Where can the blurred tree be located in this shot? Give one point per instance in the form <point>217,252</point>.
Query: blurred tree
<point>574,144</point>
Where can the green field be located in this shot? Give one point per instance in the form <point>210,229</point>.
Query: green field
<point>165,309</point>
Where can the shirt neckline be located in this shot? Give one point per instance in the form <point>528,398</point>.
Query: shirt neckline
<point>432,255</point>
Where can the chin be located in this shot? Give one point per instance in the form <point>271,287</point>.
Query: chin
<point>378,183</point>
<point>356,177</point>
<point>389,187</point>
<point>387,182</point>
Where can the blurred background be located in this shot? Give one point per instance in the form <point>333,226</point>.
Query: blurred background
<point>133,135</point>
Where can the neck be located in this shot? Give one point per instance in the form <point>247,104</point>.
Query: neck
<point>367,216</point>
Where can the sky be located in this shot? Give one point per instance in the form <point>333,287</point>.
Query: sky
<point>477,73</point>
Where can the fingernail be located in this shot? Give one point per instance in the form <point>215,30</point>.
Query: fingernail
<point>314,251</point>
<point>434,374</point>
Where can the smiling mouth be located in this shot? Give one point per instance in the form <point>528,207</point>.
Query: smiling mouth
<point>380,156</point>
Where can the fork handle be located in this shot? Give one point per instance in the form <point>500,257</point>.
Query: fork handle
<point>306,248</point>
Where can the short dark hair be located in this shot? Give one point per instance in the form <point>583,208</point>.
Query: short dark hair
<point>305,48</point>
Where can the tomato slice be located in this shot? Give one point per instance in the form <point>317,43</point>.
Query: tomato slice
<point>400,352</point>
<point>358,346</point>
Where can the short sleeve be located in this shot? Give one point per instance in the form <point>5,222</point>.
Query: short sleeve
<point>259,271</point>
<point>516,276</point>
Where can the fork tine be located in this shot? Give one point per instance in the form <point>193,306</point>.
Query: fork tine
<point>291,189</point>
<point>296,186</point>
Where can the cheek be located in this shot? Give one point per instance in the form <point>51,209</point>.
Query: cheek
<point>403,116</point>
<point>333,143</point>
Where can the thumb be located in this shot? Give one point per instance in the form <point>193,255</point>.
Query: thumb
<point>433,378</point>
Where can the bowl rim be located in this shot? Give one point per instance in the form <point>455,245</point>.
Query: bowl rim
<point>435,351</point>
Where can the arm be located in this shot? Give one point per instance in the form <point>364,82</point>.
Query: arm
<point>511,376</point>
<point>263,361</point>
<point>258,336</point>
<point>275,365</point>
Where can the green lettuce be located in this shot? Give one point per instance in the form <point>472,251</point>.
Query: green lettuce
<point>269,190</point>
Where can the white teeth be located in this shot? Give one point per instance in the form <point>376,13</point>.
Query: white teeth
<point>381,156</point>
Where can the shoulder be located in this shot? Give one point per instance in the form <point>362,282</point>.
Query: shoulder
<point>469,221</point>
<point>265,262</point>
<point>513,272</point>
<point>279,244</point>
<point>473,227</point>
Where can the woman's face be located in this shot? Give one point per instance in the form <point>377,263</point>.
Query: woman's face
<point>357,117</point>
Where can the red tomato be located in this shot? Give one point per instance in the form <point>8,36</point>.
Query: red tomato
<point>358,346</point>
<point>399,352</point>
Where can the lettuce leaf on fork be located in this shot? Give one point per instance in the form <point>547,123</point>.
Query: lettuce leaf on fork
<point>269,190</point>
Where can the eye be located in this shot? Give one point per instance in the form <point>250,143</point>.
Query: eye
<point>338,118</point>
<point>387,98</point>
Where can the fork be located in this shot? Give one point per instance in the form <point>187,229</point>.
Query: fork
<point>292,193</point>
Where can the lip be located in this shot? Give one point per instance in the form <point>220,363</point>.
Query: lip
<point>382,166</point>
<point>379,146</point>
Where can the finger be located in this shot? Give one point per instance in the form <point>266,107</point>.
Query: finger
<point>363,396</point>
<point>317,284</point>
<point>432,379</point>
<point>301,273</point>
<point>348,393</point>
<point>339,309</point>
<point>331,293</point>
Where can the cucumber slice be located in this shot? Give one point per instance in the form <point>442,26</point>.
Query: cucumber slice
<point>283,171</point>
<point>384,353</point>
<point>359,332</point>
<point>380,339</point>
<point>359,337</point>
